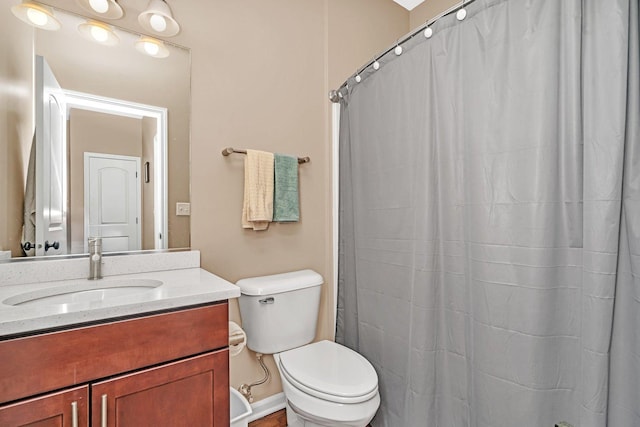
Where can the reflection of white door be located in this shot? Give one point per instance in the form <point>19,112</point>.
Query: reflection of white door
<point>51,163</point>
<point>112,201</point>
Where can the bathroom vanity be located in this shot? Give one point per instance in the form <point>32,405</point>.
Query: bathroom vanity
<point>122,361</point>
<point>159,368</point>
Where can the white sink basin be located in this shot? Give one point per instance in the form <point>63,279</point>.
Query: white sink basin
<point>86,292</point>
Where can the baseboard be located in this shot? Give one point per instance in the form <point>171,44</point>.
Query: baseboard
<point>267,406</point>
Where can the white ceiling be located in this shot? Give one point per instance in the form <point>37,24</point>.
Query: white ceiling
<point>408,4</point>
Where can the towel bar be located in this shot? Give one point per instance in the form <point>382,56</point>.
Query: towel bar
<point>230,150</point>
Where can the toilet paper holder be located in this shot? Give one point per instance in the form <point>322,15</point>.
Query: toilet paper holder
<point>237,339</point>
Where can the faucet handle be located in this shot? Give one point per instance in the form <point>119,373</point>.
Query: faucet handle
<point>95,241</point>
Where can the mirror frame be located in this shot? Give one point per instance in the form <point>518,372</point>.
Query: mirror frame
<point>164,192</point>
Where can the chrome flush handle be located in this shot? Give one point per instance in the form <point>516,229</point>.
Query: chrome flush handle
<point>269,300</point>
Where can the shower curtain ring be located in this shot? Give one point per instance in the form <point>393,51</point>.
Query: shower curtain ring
<point>398,49</point>
<point>428,32</point>
<point>462,12</point>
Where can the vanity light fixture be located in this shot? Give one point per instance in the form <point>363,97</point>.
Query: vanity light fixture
<point>158,19</point>
<point>36,15</point>
<point>98,32</point>
<point>106,9</point>
<point>152,47</point>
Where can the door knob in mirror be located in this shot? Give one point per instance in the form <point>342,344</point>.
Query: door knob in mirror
<point>55,245</point>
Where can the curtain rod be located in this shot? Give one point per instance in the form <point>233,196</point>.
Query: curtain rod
<point>230,150</point>
<point>334,95</point>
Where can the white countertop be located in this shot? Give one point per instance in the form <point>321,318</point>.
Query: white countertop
<point>179,288</point>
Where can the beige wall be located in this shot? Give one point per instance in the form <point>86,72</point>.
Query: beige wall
<point>16,123</point>
<point>427,10</point>
<point>94,132</point>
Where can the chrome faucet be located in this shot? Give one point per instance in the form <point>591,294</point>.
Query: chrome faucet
<point>95,258</point>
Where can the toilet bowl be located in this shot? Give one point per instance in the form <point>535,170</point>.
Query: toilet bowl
<point>326,384</point>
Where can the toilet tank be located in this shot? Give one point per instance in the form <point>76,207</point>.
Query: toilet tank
<point>280,312</point>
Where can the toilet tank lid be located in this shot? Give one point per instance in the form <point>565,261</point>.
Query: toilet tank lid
<point>278,283</point>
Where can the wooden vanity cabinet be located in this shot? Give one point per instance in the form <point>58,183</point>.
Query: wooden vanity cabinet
<point>169,369</point>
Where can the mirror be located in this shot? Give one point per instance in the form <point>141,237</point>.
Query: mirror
<point>117,113</point>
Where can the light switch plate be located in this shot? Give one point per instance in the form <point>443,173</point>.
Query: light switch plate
<point>183,209</point>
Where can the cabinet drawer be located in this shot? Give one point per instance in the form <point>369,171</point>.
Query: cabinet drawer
<point>51,361</point>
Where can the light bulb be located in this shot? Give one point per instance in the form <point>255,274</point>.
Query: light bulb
<point>151,48</point>
<point>398,50</point>
<point>428,32</point>
<point>158,22</point>
<point>37,17</point>
<point>376,65</point>
<point>461,14</point>
<point>99,34</point>
<point>358,78</point>
<point>100,6</point>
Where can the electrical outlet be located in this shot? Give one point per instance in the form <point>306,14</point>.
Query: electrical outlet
<point>183,209</point>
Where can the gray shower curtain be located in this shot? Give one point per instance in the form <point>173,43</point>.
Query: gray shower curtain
<point>489,254</point>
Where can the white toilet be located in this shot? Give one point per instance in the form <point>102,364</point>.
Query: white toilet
<point>326,384</point>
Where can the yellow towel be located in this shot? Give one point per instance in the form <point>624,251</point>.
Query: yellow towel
<point>257,209</point>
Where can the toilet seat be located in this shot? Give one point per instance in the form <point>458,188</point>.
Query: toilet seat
<point>330,371</point>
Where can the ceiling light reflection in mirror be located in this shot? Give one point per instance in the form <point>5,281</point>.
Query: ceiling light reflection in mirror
<point>98,32</point>
<point>152,47</point>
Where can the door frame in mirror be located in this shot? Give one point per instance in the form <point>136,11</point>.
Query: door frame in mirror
<point>101,104</point>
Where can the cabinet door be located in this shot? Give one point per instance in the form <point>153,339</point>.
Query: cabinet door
<point>192,392</point>
<point>67,408</point>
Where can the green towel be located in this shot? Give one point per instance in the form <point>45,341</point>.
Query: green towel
<point>285,194</point>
